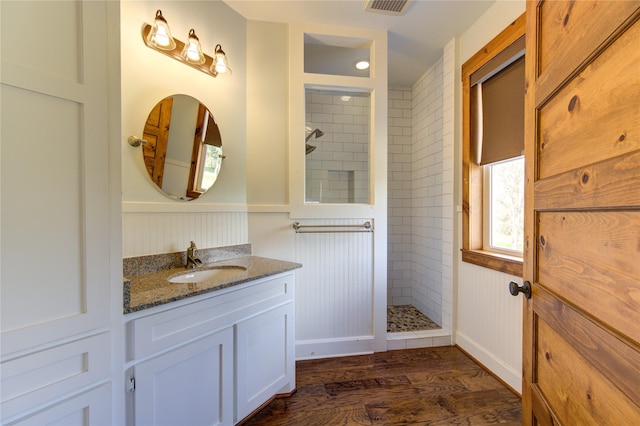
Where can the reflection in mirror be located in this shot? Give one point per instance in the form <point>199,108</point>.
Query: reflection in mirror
<point>337,146</point>
<point>184,150</point>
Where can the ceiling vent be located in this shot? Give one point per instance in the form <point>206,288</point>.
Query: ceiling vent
<point>387,7</point>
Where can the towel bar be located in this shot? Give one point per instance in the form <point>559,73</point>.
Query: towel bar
<point>307,229</point>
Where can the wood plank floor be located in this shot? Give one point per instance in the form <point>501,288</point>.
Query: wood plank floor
<point>428,386</point>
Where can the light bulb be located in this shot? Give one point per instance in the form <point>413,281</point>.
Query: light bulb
<point>192,51</point>
<point>162,39</point>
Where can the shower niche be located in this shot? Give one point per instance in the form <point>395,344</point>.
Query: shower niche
<point>337,140</point>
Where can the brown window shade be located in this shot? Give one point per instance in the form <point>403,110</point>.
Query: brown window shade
<point>497,111</point>
<point>212,136</point>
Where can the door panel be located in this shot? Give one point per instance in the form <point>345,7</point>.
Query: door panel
<point>561,21</point>
<point>570,31</point>
<point>581,349</point>
<point>571,263</point>
<point>611,182</point>
<point>614,357</point>
<point>599,108</point>
<point>574,387</point>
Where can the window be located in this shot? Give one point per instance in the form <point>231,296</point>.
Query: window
<point>206,156</point>
<point>493,166</point>
<point>503,207</point>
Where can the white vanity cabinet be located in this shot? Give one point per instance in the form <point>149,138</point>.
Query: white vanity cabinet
<point>212,359</point>
<point>264,358</point>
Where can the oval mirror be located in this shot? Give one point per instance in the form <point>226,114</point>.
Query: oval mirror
<point>183,153</point>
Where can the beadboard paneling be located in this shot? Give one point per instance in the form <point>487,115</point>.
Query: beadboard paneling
<point>335,296</point>
<point>490,324</point>
<point>157,232</point>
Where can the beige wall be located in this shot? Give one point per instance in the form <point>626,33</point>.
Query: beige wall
<point>267,113</point>
<point>148,76</point>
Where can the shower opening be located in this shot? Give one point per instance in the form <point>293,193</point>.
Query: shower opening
<point>420,218</point>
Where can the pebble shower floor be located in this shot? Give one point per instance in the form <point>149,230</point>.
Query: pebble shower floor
<point>404,318</point>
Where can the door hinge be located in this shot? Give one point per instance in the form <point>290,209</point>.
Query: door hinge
<point>131,384</point>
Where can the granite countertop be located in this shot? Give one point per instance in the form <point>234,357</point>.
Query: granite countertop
<point>152,289</point>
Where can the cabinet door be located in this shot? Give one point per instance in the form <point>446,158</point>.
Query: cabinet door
<point>265,362</point>
<point>190,385</point>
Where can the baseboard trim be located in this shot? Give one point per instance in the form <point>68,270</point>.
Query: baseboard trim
<point>331,348</point>
<point>504,373</point>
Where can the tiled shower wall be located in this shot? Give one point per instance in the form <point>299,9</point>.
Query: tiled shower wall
<point>337,171</point>
<point>427,193</point>
<point>399,257</point>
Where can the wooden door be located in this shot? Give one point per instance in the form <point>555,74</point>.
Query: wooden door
<point>582,256</point>
<point>156,133</point>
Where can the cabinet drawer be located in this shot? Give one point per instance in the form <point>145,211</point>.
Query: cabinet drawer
<point>160,331</point>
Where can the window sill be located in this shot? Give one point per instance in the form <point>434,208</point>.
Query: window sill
<point>498,262</point>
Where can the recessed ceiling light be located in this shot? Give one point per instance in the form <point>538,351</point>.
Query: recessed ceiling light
<point>361,64</point>
<point>345,98</point>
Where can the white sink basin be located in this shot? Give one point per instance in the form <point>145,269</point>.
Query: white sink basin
<point>200,275</point>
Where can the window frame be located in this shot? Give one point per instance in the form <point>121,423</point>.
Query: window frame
<point>473,174</point>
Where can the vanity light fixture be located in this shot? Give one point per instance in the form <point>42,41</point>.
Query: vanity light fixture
<point>158,37</point>
<point>361,64</point>
<point>192,51</point>
<point>220,64</point>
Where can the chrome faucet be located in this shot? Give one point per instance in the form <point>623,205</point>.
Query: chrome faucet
<point>192,260</point>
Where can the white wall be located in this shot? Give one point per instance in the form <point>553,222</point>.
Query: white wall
<point>489,319</point>
<point>153,223</point>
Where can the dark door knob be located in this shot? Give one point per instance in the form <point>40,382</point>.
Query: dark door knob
<point>525,289</point>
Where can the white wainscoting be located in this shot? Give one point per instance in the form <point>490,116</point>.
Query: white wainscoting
<point>490,321</point>
<point>334,302</point>
<point>152,232</point>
